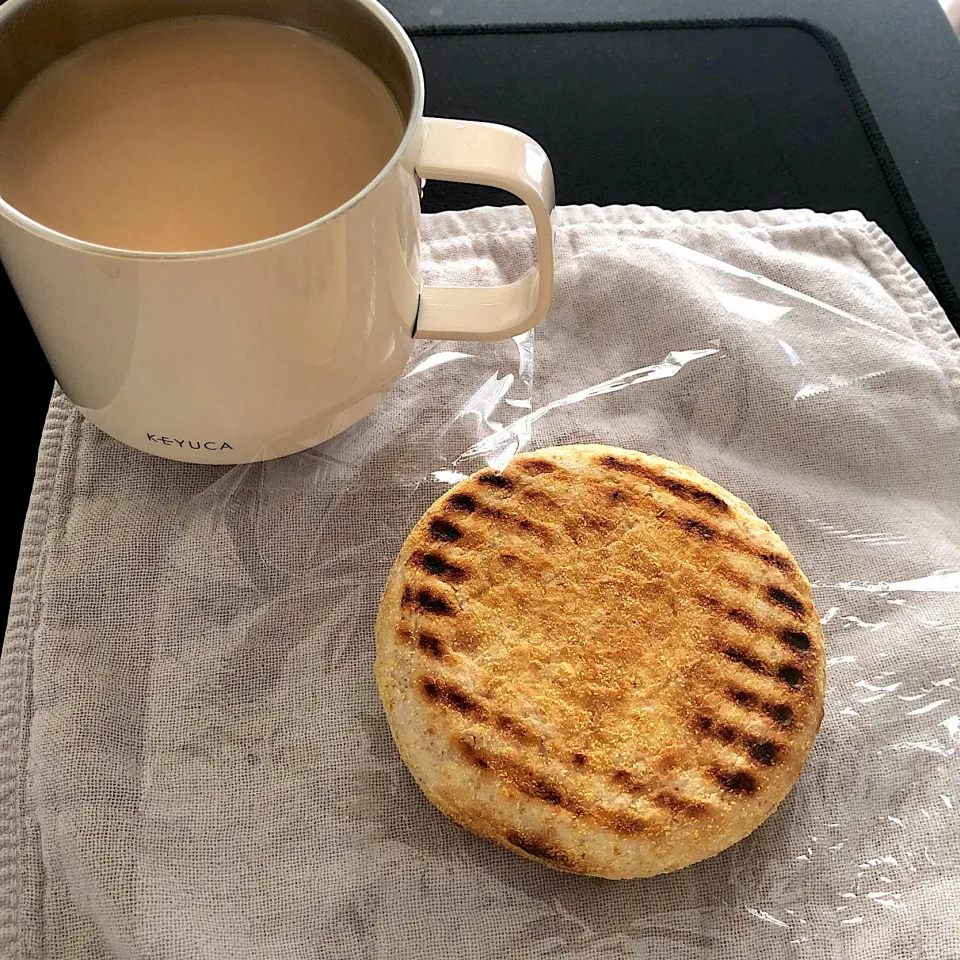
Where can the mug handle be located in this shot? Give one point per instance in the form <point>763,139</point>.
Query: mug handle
<point>466,151</point>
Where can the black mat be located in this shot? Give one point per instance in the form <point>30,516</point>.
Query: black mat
<point>726,115</point>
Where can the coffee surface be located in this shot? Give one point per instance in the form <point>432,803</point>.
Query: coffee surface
<point>195,133</point>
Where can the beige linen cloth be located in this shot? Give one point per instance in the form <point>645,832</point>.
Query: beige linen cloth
<point>194,760</point>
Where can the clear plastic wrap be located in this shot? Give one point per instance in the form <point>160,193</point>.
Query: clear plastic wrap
<point>797,362</point>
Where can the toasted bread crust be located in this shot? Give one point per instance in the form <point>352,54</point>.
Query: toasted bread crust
<point>601,660</point>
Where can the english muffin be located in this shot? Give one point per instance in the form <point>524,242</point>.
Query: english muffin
<point>601,660</point>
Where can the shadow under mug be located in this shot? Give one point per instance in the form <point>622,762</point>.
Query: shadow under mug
<point>257,351</point>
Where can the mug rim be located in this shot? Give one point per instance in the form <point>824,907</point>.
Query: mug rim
<point>403,41</point>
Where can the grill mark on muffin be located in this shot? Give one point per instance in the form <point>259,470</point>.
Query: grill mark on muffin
<point>736,614</point>
<point>736,579</point>
<point>668,761</point>
<point>742,617</point>
<point>780,713</point>
<point>687,491</point>
<point>541,850</point>
<point>450,695</point>
<point>540,497</point>
<point>522,524</point>
<point>490,478</point>
<point>515,729</point>
<point>438,566</point>
<point>623,822</point>
<point>764,751</point>
<point>778,561</point>
<point>698,528</point>
<point>447,694</point>
<point>586,523</point>
<point>462,502</point>
<point>735,781</point>
<point>629,782</point>
<point>539,786</point>
<point>745,659</point>
<point>797,639</point>
<point>470,753</point>
<point>431,644</point>
<point>731,540</point>
<point>792,676</point>
<point>721,732</point>
<point>536,466</point>
<point>679,488</point>
<point>679,804</point>
<point>427,600</point>
<point>527,781</point>
<point>788,601</point>
<point>509,559</point>
<point>788,673</point>
<point>619,496</point>
<point>546,791</point>
<point>444,531</point>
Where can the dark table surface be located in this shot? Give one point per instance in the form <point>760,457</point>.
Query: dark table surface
<point>903,54</point>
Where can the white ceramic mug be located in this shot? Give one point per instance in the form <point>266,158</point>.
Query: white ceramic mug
<point>257,351</point>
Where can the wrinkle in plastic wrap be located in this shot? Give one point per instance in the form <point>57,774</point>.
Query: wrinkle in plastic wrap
<point>274,780</point>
